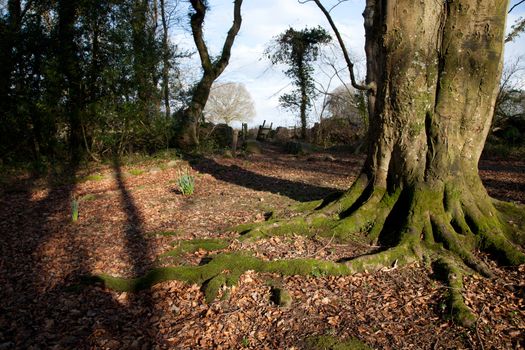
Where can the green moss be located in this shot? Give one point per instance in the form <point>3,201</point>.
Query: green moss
<point>416,128</point>
<point>93,177</point>
<point>449,271</point>
<point>136,172</point>
<point>399,255</point>
<point>194,245</point>
<point>326,342</point>
<point>306,206</point>
<point>88,197</point>
<point>211,287</point>
<point>166,233</point>
<point>513,219</point>
<point>243,228</point>
<point>213,273</point>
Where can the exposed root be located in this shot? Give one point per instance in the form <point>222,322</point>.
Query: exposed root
<point>355,192</point>
<point>444,232</point>
<point>440,224</point>
<point>453,276</point>
<point>400,255</point>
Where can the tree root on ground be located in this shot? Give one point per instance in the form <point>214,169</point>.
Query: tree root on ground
<point>440,229</point>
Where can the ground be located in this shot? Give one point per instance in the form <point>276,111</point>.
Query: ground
<point>132,213</point>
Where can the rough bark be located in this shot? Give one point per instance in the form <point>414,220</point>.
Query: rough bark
<point>212,69</point>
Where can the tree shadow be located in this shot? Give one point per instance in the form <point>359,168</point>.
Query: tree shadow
<point>234,174</point>
<point>38,306</point>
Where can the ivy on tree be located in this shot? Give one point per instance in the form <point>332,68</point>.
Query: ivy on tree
<point>298,49</point>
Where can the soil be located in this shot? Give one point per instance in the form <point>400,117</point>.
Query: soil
<point>132,213</point>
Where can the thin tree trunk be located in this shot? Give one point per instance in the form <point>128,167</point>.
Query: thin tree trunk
<point>166,60</point>
<point>304,99</point>
<point>69,62</point>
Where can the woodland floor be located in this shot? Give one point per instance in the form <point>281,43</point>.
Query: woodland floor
<point>124,209</point>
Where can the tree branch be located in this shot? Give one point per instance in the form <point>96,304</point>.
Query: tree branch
<point>371,87</point>
<point>516,5</point>
<point>230,38</point>
<point>197,20</point>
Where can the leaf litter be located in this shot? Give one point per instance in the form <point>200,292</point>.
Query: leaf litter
<point>127,222</point>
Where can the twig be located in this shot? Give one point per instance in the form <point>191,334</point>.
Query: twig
<point>477,328</point>
<point>516,5</point>
<point>324,247</point>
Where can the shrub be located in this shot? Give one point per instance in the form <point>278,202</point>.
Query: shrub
<point>186,183</point>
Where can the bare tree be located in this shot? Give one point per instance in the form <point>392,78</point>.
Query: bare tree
<point>229,102</point>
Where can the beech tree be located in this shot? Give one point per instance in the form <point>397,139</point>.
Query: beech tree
<point>212,68</point>
<point>433,70</point>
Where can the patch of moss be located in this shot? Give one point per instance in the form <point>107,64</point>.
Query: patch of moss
<point>165,233</point>
<point>194,245</point>
<point>136,172</point>
<point>513,216</point>
<point>449,272</point>
<point>307,206</point>
<point>93,177</point>
<point>326,342</point>
<point>228,265</point>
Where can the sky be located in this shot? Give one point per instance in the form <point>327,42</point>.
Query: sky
<point>265,19</point>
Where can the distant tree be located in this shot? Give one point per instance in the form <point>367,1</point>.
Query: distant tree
<point>229,102</point>
<point>298,50</point>
<point>509,112</point>
<point>346,103</point>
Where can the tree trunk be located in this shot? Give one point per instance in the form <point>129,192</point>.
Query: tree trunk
<point>304,98</point>
<point>435,66</point>
<point>165,59</point>
<point>71,70</point>
<point>188,118</point>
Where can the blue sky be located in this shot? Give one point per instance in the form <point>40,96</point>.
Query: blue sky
<point>263,20</point>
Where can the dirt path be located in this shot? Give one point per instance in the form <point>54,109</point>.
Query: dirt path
<point>122,215</point>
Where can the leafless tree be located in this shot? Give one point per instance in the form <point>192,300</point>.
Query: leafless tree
<point>229,102</point>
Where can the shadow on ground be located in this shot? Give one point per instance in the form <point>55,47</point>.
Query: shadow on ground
<point>234,174</point>
<point>38,307</point>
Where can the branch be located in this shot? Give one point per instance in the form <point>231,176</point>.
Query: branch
<point>517,28</point>
<point>516,5</point>
<point>371,87</point>
<point>197,20</point>
<point>228,43</point>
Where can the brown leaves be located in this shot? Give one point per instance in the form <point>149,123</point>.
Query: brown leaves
<point>42,254</point>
